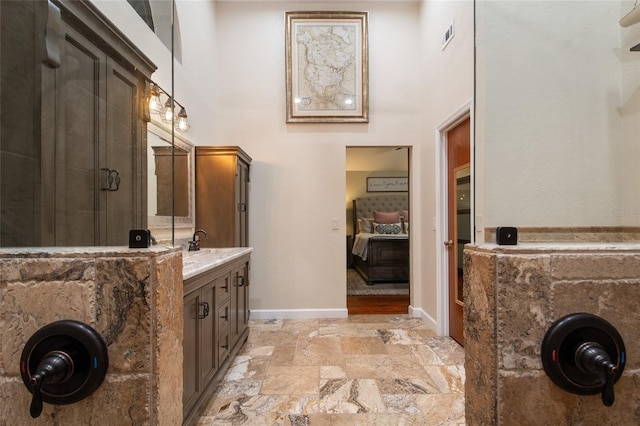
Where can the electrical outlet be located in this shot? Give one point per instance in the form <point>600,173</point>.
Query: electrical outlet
<point>448,35</point>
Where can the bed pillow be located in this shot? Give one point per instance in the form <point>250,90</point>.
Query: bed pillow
<point>365,225</point>
<point>386,217</point>
<point>387,228</point>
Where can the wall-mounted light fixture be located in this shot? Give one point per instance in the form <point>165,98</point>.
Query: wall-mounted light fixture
<point>155,104</point>
<point>167,110</point>
<point>182,125</point>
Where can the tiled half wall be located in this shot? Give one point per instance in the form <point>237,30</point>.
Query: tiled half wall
<point>512,295</point>
<point>579,234</point>
<point>133,298</point>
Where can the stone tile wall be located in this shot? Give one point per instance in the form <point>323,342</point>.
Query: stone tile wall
<point>579,234</point>
<point>133,298</point>
<point>512,295</point>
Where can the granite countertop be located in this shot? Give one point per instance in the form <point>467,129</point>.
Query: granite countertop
<point>526,247</point>
<point>82,251</point>
<point>197,262</point>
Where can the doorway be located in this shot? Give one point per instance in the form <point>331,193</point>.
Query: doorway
<point>377,249</point>
<point>455,209</point>
<point>458,219</point>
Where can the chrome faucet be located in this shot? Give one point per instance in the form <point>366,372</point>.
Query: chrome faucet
<point>194,245</point>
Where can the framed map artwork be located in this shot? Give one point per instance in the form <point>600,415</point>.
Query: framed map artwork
<point>327,67</point>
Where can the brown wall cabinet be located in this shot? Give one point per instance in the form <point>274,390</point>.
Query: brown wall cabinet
<point>222,195</point>
<point>73,124</point>
<point>216,324</point>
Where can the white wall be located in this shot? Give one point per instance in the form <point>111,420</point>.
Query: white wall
<point>630,112</point>
<point>231,79</point>
<point>446,86</point>
<point>557,123</point>
<point>298,173</point>
<point>195,74</point>
<point>558,134</point>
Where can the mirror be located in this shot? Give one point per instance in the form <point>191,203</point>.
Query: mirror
<point>160,194</point>
<point>462,221</point>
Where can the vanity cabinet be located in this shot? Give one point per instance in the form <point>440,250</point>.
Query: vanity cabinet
<point>222,195</point>
<point>215,327</point>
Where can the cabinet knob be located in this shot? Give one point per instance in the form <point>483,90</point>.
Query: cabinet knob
<point>240,281</point>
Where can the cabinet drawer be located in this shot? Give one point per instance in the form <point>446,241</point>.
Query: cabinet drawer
<point>223,317</point>
<point>223,345</point>
<point>223,289</point>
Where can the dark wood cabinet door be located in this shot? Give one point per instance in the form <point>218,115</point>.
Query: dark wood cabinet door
<point>233,306</point>
<point>243,298</point>
<point>124,201</point>
<point>75,135</point>
<point>190,345</point>
<point>209,346</point>
<point>70,119</point>
<point>242,208</point>
<point>97,189</point>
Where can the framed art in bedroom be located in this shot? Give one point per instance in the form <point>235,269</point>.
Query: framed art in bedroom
<point>327,67</point>
<point>387,184</point>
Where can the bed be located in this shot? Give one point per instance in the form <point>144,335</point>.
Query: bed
<point>381,257</point>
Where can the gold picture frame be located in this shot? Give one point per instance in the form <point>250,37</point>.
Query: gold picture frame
<point>327,67</point>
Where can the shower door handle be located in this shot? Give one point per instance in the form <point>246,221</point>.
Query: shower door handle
<point>112,178</point>
<point>116,180</point>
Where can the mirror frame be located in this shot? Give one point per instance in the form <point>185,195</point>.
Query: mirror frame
<point>179,222</point>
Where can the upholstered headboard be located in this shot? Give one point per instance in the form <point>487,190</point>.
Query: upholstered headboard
<point>365,206</point>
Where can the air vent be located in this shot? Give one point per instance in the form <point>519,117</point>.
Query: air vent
<point>448,35</point>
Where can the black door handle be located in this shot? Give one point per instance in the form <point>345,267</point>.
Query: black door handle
<point>205,310</point>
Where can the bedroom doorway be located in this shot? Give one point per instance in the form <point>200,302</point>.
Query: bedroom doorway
<point>377,231</point>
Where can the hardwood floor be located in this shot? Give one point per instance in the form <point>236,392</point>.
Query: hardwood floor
<point>371,305</point>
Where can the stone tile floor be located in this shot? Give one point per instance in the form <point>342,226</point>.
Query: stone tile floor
<point>361,370</point>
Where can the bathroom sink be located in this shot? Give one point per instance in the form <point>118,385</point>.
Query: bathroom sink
<point>205,252</point>
<point>195,262</point>
<point>206,255</point>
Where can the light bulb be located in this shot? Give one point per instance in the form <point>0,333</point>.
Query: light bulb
<point>167,112</point>
<point>182,124</point>
<point>155,104</point>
